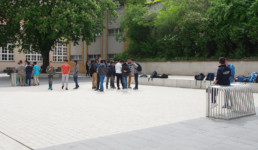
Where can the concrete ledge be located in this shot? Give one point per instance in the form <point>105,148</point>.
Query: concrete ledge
<point>45,75</point>
<point>183,83</point>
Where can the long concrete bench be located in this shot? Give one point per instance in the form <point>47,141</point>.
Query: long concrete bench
<point>183,82</point>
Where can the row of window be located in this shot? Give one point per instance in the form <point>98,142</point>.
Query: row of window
<point>112,32</point>
<point>59,54</point>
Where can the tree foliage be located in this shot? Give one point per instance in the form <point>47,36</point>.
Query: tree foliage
<point>189,29</point>
<point>35,25</point>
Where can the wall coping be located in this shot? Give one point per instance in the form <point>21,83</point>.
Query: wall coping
<point>231,60</point>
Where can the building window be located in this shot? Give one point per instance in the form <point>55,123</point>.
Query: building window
<point>113,32</point>
<point>6,54</point>
<point>93,57</point>
<point>33,57</point>
<point>60,52</point>
<point>76,57</point>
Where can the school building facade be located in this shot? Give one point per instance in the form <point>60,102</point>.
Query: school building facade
<point>105,45</point>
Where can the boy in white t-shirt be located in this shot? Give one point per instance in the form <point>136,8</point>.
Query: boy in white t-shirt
<point>118,68</point>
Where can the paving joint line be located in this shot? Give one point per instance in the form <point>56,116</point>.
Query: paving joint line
<point>17,141</point>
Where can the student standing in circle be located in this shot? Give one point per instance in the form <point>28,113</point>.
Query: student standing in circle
<point>36,73</point>
<point>75,74</point>
<point>51,72</point>
<point>65,74</point>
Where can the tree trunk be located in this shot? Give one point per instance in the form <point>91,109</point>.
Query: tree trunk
<point>45,56</point>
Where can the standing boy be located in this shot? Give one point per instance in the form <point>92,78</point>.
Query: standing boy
<point>75,73</point>
<point>110,75</point>
<point>36,73</point>
<point>129,63</point>
<point>102,71</point>
<point>21,73</point>
<point>93,72</point>
<point>87,69</point>
<point>125,73</point>
<point>51,72</point>
<point>29,70</point>
<point>135,73</point>
<point>118,68</point>
<point>65,74</point>
<point>98,75</point>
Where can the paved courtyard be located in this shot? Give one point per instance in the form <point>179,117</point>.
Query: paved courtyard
<point>151,118</point>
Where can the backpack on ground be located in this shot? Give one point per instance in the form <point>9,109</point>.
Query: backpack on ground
<point>154,74</point>
<point>199,77</point>
<point>139,68</point>
<point>164,76</point>
<point>242,79</point>
<point>210,77</point>
<point>143,76</point>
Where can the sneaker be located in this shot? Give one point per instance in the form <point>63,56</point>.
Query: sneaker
<point>75,88</point>
<point>118,88</point>
<point>66,88</point>
<point>96,89</point>
<point>101,91</point>
<point>135,88</point>
<point>62,87</point>
<point>51,89</point>
<point>129,87</point>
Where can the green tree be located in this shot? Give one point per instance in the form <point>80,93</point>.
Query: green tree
<point>35,25</point>
<point>234,25</point>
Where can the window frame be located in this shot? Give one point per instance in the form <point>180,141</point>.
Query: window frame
<point>8,53</point>
<point>34,57</point>
<point>59,52</point>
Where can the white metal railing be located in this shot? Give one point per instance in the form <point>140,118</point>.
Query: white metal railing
<point>229,102</point>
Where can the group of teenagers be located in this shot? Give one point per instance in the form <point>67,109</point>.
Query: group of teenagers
<point>99,70</point>
<point>121,70</point>
<point>28,74</point>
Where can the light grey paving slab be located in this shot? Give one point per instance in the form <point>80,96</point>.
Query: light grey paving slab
<point>225,136</point>
<point>51,118</point>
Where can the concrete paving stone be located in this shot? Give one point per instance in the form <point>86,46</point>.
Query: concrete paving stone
<point>151,118</point>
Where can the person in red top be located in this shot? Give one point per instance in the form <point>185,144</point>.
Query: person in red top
<point>65,74</point>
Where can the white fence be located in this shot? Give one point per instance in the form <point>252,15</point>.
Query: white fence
<point>230,102</point>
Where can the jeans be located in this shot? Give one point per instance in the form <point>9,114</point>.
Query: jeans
<point>28,79</point>
<point>125,82</point>
<point>50,80</point>
<point>75,78</point>
<point>136,80</point>
<point>112,80</point>
<point>98,81</point>
<point>65,78</point>
<point>102,77</point>
<point>119,77</point>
